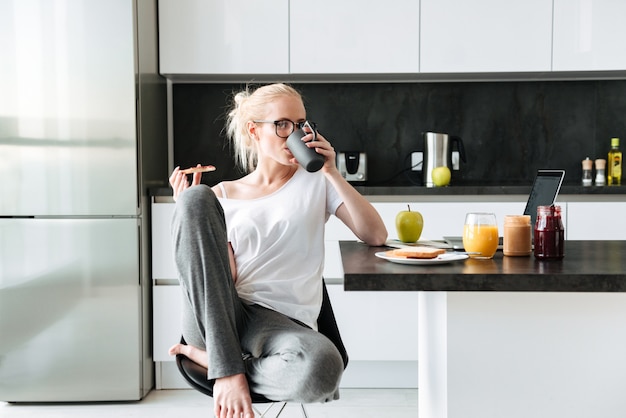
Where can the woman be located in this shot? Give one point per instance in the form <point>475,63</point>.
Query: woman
<point>250,257</point>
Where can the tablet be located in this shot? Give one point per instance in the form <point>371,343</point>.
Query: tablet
<point>544,192</point>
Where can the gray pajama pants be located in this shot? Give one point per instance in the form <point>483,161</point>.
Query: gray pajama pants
<point>283,360</point>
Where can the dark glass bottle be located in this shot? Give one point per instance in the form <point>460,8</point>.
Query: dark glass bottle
<point>549,233</point>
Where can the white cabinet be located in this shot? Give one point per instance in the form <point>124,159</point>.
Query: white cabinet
<point>166,316</point>
<point>375,325</point>
<point>596,221</point>
<point>224,37</point>
<point>582,220</point>
<point>162,250</point>
<point>239,37</point>
<point>282,37</point>
<point>354,37</point>
<point>589,35</point>
<point>379,330</point>
<point>446,218</point>
<point>460,36</point>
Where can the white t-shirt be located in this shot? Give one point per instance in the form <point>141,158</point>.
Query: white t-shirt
<point>278,242</point>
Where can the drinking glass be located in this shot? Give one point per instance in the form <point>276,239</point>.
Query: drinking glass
<point>480,235</point>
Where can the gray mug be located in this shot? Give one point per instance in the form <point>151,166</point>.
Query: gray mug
<point>307,157</point>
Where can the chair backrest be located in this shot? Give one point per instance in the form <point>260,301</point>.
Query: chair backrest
<point>327,325</point>
<point>195,374</point>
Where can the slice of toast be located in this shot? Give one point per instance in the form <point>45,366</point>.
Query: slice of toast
<point>416,252</point>
<point>201,169</point>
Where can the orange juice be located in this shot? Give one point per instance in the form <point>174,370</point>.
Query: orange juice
<point>481,239</point>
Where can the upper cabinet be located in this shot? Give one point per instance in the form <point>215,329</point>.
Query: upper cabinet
<point>224,37</point>
<point>460,36</point>
<point>354,37</point>
<point>589,35</point>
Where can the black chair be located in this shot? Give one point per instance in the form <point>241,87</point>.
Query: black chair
<point>196,374</point>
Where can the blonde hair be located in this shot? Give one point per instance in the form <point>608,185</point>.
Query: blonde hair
<point>248,105</point>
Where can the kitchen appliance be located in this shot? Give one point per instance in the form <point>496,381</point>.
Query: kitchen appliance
<point>352,165</point>
<point>82,137</point>
<point>438,153</point>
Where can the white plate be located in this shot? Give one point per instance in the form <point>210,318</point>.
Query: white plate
<point>440,259</point>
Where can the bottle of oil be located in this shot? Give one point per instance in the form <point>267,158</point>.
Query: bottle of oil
<point>614,164</point>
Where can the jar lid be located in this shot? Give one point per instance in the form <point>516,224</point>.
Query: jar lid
<point>587,163</point>
<point>517,219</point>
<point>549,209</point>
<point>600,164</point>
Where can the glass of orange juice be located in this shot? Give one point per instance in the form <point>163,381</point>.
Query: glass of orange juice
<point>480,235</point>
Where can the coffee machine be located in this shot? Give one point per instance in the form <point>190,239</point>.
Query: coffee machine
<point>352,165</point>
<point>438,153</point>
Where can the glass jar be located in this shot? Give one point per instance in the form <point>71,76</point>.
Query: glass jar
<point>587,167</point>
<point>517,240</point>
<point>549,233</point>
<point>600,177</point>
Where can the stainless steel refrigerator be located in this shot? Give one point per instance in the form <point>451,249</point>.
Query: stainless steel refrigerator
<point>82,138</point>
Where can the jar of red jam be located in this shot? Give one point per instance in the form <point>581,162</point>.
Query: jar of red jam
<point>549,233</point>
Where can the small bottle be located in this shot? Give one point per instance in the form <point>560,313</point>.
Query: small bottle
<point>517,240</point>
<point>587,166</point>
<point>600,165</point>
<point>549,233</point>
<point>614,169</point>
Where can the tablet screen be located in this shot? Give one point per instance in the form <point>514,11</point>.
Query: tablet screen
<point>544,191</point>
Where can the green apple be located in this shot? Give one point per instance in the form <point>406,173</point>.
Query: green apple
<point>441,176</point>
<point>409,225</point>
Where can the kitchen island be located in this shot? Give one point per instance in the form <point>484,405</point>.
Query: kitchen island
<point>513,336</point>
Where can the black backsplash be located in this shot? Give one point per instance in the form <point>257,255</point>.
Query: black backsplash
<point>509,129</point>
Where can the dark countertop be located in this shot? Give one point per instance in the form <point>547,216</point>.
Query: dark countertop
<point>588,266</point>
<point>475,190</point>
<point>484,190</point>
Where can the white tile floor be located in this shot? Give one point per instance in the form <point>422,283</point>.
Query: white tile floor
<point>354,403</point>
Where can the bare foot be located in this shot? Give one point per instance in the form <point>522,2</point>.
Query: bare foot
<point>231,397</point>
<point>192,353</point>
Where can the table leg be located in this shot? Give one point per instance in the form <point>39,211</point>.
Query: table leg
<point>432,365</point>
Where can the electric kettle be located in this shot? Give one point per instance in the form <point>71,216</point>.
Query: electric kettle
<point>438,153</point>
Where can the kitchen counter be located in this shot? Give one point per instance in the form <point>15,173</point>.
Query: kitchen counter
<point>512,337</point>
<point>594,192</point>
<point>588,266</point>
<point>486,189</point>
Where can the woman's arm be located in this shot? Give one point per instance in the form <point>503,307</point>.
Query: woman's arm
<point>356,212</point>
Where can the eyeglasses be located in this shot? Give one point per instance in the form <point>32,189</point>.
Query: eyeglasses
<point>285,127</point>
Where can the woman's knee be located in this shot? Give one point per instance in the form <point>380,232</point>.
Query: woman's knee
<point>197,201</point>
<point>320,371</point>
<point>195,195</point>
<point>328,372</point>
